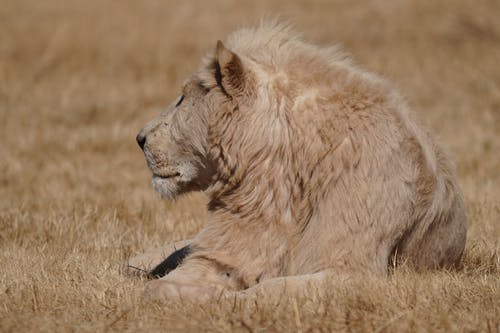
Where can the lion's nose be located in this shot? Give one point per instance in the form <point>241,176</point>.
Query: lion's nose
<point>141,139</point>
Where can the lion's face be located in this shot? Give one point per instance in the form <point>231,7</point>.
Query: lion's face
<point>175,144</point>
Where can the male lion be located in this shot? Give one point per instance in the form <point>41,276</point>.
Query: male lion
<point>313,168</point>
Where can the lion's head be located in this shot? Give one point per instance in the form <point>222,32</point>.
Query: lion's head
<point>176,143</point>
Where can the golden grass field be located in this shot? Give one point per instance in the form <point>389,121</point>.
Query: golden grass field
<point>78,79</point>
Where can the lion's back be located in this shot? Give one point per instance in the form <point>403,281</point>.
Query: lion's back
<point>388,190</point>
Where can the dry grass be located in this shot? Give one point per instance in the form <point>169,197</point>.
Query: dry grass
<point>79,78</point>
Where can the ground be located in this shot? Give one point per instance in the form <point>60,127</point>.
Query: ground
<point>78,79</point>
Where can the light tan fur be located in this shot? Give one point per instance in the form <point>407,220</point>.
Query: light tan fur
<point>311,165</point>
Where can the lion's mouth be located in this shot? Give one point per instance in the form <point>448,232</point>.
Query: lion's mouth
<point>167,176</point>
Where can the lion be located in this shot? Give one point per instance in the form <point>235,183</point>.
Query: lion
<point>312,166</point>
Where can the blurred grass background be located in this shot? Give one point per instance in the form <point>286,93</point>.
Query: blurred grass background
<point>78,79</point>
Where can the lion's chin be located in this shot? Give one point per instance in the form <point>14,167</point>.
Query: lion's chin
<point>167,187</point>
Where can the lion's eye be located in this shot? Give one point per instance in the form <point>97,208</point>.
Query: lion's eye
<point>179,101</point>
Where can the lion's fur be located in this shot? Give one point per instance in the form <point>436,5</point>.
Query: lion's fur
<point>314,165</point>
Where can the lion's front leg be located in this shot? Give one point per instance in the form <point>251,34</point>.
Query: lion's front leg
<point>150,262</point>
<point>305,285</point>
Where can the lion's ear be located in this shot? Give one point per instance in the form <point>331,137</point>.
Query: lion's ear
<point>229,71</point>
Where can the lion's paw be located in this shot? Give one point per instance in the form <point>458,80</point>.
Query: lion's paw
<point>168,291</point>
